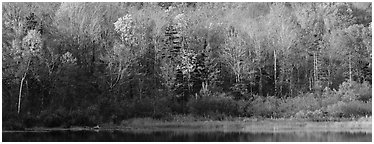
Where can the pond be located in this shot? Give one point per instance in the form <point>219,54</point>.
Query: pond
<point>178,136</point>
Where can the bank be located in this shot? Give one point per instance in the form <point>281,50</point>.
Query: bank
<point>238,125</point>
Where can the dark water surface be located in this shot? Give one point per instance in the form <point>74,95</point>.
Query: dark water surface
<point>172,136</point>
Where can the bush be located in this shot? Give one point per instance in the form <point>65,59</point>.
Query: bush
<point>315,114</point>
<point>286,107</point>
<point>271,106</point>
<point>107,109</point>
<point>77,118</point>
<point>82,118</point>
<point>143,108</point>
<point>175,107</point>
<point>356,108</point>
<point>306,102</point>
<point>255,107</point>
<point>349,109</point>
<point>12,121</point>
<point>162,108</point>
<point>307,114</point>
<point>335,110</point>
<point>51,119</point>
<point>182,118</point>
<point>264,106</point>
<point>54,118</point>
<point>291,106</point>
<point>93,115</point>
<point>239,90</point>
<point>213,105</point>
<point>243,107</point>
<point>13,124</point>
<point>301,114</point>
<point>329,97</point>
<point>30,120</point>
<point>351,91</point>
<point>363,91</point>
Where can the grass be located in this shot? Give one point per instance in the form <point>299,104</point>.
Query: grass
<point>239,124</point>
<point>244,125</point>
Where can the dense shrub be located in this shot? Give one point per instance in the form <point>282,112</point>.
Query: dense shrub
<point>356,108</point>
<point>162,107</point>
<point>290,106</point>
<point>77,117</point>
<point>264,106</point>
<point>306,102</point>
<point>12,121</point>
<point>271,106</point>
<point>13,124</point>
<point>349,101</point>
<point>243,107</point>
<point>256,106</point>
<point>349,109</point>
<point>301,114</point>
<point>30,120</point>
<point>143,108</point>
<point>107,109</point>
<point>93,115</point>
<point>213,105</point>
<point>351,91</point>
<point>81,117</point>
<point>51,119</point>
<point>329,97</point>
<point>335,109</point>
<point>364,92</point>
<point>286,107</point>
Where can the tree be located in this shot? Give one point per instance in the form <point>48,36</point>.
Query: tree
<point>281,34</point>
<point>353,50</point>
<point>31,45</point>
<point>22,38</point>
<point>122,55</point>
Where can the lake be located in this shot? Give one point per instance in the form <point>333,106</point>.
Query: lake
<point>180,136</point>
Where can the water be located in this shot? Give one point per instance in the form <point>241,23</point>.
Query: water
<point>173,136</point>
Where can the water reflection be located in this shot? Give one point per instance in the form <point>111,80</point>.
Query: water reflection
<point>172,136</point>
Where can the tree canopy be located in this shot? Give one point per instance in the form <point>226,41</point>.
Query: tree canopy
<point>122,60</point>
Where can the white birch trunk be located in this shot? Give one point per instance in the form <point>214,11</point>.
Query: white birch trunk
<point>275,72</point>
<point>20,88</point>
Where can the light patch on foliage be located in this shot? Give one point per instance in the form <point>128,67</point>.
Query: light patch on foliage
<point>32,42</point>
<point>68,58</point>
<point>125,27</point>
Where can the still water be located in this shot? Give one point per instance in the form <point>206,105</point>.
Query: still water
<point>172,136</point>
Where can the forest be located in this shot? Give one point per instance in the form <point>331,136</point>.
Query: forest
<point>83,64</point>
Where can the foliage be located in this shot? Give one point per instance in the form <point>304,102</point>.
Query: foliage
<point>357,108</point>
<point>312,115</point>
<point>350,91</point>
<point>90,63</point>
<point>212,105</point>
<point>124,26</point>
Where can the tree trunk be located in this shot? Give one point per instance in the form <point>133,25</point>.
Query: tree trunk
<point>281,75</point>
<point>310,81</point>
<point>314,69</point>
<point>260,84</point>
<point>316,73</point>
<point>298,77</point>
<point>275,73</point>
<point>20,93</point>
<point>140,88</point>
<point>20,88</point>
<point>350,68</point>
<point>290,81</point>
<point>329,72</point>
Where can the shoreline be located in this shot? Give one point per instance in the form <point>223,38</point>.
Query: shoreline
<point>265,126</point>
